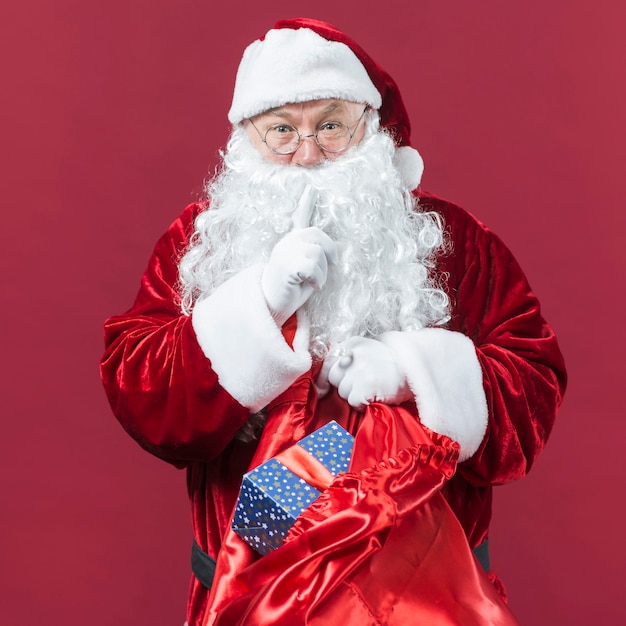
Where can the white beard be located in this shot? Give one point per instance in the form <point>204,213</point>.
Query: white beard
<point>383,279</point>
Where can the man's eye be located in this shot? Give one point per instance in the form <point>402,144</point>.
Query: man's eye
<point>330,126</point>
<point>282,129</point>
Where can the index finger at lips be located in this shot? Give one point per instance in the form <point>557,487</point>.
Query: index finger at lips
<point>303,213</point>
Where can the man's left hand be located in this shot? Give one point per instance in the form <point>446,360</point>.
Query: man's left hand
<point>365,372</point>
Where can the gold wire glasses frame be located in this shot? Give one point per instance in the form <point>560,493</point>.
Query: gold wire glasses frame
<point>331,136</point>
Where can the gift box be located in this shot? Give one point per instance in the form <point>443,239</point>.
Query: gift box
<point>273,494</point>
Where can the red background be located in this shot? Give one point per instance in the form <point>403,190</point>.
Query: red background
<point>112,114</point>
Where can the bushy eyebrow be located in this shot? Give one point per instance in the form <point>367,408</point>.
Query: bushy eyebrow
<point>329,108</point>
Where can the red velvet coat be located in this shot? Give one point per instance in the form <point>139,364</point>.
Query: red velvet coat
<point>164,392</point>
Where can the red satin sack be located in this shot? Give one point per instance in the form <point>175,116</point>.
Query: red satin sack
<point>379,547</point>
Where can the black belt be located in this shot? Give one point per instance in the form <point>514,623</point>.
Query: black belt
<point>203,566</point>
<point>481,552</point>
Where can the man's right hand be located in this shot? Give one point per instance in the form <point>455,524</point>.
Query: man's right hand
<point>298,264</point>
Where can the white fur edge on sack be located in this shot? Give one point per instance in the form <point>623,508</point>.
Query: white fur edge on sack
<point>246,348</point>
<point>445,376</point>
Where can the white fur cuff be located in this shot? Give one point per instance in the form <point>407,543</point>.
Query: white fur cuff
<point>445,376</point>
<point>246,348</point>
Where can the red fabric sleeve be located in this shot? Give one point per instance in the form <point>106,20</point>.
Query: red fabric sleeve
<point>523,370</point>
<point>159,383</point>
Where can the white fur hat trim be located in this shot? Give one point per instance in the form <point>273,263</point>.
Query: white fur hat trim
<point>290,66</point>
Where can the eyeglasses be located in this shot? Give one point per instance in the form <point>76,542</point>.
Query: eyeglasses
<point>331,136</point>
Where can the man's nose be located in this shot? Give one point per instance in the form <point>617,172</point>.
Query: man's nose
<point>308,153</point>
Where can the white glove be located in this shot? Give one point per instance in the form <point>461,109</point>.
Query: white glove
<point>298,263</point>
<point>365,372</point>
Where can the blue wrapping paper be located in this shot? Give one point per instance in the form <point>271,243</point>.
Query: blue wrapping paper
<point>272,496</point>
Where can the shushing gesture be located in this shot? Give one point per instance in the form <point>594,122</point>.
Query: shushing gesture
<point>298,264</point>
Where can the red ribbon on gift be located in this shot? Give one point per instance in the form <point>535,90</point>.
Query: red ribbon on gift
<point>304,465</point>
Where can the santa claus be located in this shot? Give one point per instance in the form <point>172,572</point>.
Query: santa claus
<point>317,281</point>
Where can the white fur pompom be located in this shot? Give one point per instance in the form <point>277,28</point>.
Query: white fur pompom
<point>410,165</point>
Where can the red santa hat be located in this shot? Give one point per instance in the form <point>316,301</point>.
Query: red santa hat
<point>303,59</point>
